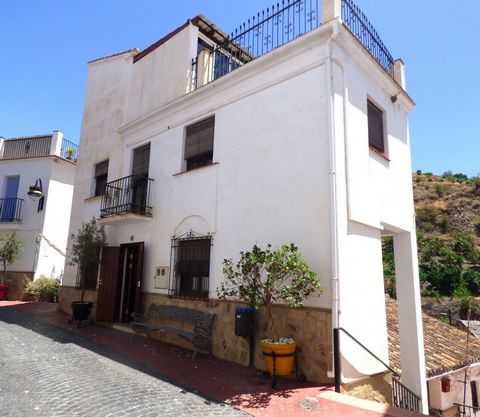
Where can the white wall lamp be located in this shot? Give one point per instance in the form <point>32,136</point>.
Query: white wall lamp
<point>36,193</point>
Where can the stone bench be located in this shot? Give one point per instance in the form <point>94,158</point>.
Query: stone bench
<point>165,316</point>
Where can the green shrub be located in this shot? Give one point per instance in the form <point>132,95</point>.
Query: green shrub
<point>44,289</point>
<point>419,172</point>
<point>439,189</point>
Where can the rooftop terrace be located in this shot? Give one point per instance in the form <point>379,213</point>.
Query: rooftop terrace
<point>275,26</point>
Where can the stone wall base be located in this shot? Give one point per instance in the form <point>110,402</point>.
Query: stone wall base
<point>70,294</point>
<point>311,328</point>
<point>376,388</point>
<point>19,281</point>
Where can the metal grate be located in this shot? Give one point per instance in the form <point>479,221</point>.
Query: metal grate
<point>403,397</point>
<point>269,29</point>
<point>127,195</point>
<point>69,150</point>
<point>359,25</point>
<point>10,210</point>
<point>190,266</point>
<point>27,147</point>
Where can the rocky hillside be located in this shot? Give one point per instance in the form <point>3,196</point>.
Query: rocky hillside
<point>448,227</point>
<point>447,204</point>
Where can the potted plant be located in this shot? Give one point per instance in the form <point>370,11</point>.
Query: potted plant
<point>70,152</point>
<point>85,253</point>
<point>262,277</point>
<point>10,247</point>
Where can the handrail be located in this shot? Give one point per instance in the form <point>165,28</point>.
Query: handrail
<point>369,351</point>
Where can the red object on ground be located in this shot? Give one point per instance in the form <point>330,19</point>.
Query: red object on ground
<point>3,291</point>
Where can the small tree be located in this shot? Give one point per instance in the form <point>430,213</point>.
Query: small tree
<point>10,247</point>
<point>265,276</point>
<point>86,249</point>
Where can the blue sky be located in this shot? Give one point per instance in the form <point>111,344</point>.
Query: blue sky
<point>47,44</point>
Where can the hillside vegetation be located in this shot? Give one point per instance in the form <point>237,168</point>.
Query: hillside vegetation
<point>448,231</point>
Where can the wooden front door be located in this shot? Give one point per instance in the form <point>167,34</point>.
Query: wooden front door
<point>109,285</point>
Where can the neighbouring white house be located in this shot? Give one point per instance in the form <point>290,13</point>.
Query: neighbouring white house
<point>452,361</point>
<point>45,164</point>
<point>292,129</point>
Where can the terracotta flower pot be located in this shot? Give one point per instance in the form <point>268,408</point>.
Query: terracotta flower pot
<point>283,364</point>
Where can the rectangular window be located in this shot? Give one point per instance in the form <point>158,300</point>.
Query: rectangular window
<point>101,173</point>
<point>473,387</point>
<point>141,161</point>
<point>199,144</point>
<point>375,128</point>
<point>192,268</point>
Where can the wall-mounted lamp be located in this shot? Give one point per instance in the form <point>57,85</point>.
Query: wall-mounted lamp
<point>36,193</point>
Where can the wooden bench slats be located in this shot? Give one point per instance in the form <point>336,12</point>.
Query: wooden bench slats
<point>201,322</point>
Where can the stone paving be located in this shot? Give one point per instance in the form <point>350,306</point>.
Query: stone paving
<point>47,371</point>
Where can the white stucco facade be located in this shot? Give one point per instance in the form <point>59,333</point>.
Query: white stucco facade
<point>43,232</point>
<point>291,163</point>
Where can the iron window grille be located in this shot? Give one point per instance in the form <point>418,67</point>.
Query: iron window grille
<point>190,266</point>
<point>89,274</point>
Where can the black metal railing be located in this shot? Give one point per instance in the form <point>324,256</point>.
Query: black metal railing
<point>69,150</point>
<point>190,266</point>
<point>127,195</point>
<point>401,395</point>
<point>359,25</point>
<point>269,29</point>
<point>10,210</point>
<point>27,147</point>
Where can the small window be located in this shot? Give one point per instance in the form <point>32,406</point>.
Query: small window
<point>199,144</point>
<point>375,128</point>
<point>101,173</point>
<point>473,387</point>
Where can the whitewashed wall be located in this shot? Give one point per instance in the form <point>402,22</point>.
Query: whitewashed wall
<point>271,179</point>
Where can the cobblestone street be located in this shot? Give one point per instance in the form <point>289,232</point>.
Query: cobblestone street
<point>48,371</point>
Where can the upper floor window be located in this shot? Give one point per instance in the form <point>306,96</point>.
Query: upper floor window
<point>101,173</point>
<point>199,144</point>
<point>376,138</point>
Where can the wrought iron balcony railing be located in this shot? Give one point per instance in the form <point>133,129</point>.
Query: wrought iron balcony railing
<point>27,147</point>
<point>359,25</point>
<point>127,195</point>
<point>10,210</point>
<point>276,26</point>
<point>69,150</point>
<point>266,31</point>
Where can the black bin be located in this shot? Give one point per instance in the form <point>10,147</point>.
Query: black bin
<point>244,321</point>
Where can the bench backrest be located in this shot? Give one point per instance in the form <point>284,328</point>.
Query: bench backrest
<point>181,314</point>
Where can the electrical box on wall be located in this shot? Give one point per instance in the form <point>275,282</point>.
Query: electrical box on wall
<point>162,274</point>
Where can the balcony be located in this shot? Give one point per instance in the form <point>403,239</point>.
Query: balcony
<point>126,200</point>
<point>10,210</point>
<point>274,27</point>
<point>39,146</point>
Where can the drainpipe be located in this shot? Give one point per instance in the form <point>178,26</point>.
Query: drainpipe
<point>333,207</point>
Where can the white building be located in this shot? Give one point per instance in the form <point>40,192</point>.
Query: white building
<point>289,131</point>
<point>46,161</point>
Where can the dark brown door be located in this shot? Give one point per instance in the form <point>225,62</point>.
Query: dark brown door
<point>132,279</point>
<point>108,285</point>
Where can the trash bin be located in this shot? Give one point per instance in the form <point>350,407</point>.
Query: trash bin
<point>244,321</point>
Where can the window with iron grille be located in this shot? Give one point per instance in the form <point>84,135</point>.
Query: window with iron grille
<point>191,267</point>
<point>89,274</point>
<point>199,144</point>
<point>375,128</point>
<point>101,174</point>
